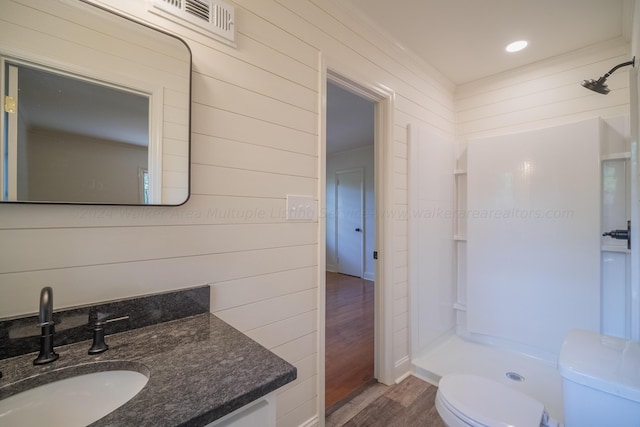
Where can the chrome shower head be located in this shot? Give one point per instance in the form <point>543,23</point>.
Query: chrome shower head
<point>599,85</point>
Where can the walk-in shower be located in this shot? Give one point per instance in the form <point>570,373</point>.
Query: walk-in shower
<point>599,85</point>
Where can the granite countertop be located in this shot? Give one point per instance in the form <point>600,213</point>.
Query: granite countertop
<point>199,369</point>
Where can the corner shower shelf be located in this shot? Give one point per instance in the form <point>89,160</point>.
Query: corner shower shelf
<point>459,171</point>
<point>460,306</point>
<point>616,156</point>
<point>615,248</point>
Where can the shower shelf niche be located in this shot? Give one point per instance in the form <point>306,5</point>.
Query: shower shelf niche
<point>460,204</point>
<point>616,156</point>
<point>460,306</point>
<point>615,187</point>
<point>460,241</point>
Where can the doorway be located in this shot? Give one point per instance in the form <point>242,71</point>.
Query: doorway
<point>350,239</point>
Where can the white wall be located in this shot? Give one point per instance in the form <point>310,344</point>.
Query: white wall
<point>634,307</point>
<point>538,96</point>
<point>255,139</point>
<point>533,221</point>
<point>352,159</point>
<point>64,166</point>
<point>431,245</point>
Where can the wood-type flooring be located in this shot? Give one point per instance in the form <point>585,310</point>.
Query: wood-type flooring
<point>349,339</point>
<point>408,404</point>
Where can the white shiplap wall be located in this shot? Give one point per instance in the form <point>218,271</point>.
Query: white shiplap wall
<point>255,138</point>
<point>547,93</point>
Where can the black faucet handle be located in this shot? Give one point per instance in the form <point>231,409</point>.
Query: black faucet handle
<point>99,346</point>
<point>96,316</point>
<point>103,317</point>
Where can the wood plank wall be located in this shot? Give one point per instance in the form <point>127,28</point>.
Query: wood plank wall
<point>547,93</point>
<point>255,119</point>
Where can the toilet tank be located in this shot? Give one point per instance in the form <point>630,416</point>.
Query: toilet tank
<point>600,380</point>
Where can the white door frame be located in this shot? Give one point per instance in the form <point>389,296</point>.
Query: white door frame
<point>11,146</point>
<point>337,216</point>
<point>383,97</point>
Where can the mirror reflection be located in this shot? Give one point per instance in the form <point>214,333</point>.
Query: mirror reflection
<point>97,113</point>
<point>75,140</point>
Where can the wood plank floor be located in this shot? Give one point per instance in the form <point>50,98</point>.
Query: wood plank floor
<point>349,344</point>
<point>408,404</point>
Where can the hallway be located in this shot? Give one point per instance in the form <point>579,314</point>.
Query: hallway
<point>349,358</point>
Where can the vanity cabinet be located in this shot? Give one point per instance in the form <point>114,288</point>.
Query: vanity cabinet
<point>211,373</point>
<point>259,413</point>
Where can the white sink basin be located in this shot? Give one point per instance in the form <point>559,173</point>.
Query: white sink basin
<point>74,401</point>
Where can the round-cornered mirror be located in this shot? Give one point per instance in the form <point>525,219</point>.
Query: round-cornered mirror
<point>96,107</point>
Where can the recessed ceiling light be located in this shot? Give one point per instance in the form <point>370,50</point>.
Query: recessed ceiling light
<point>516,46</point>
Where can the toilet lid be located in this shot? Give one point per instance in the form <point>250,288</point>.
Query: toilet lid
<point>488,402</point>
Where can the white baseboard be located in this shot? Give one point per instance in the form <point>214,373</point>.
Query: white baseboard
<point>311,422</point>
<point>425,375</point>
<point>403,377</point>
<point>401,362</point>
<point>369,276</point>
<point>402,369</point>
<point>331,268</point>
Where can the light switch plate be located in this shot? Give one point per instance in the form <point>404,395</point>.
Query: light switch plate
<point>301,208</point>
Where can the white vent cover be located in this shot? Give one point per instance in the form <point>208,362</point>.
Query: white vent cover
<point>215,16</point>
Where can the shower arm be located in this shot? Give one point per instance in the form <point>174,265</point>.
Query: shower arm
<point>611,71</point>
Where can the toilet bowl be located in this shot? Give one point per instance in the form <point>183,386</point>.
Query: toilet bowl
<point>472,401</point>
<point>600,387</point>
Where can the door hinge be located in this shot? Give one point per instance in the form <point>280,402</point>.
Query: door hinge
<point>10,104</point>
<point>375,254</point>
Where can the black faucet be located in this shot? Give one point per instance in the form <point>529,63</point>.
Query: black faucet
<point>45,321</point>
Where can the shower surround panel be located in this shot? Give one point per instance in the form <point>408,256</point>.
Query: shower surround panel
<point>533,221</point>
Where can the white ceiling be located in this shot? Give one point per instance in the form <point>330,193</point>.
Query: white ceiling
<point>465,39</point>
<point>48,100</point>
<point>350,120</point>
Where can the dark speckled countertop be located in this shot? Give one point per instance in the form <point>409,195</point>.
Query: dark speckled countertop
<point>199,369</point>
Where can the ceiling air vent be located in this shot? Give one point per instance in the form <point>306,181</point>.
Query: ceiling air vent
<point>216,16</point>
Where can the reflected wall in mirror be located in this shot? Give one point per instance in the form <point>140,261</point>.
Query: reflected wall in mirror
<point>96,107</point>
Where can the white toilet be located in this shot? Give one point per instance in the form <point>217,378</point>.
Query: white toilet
<point>469,400</point>
<point>600,387</point>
